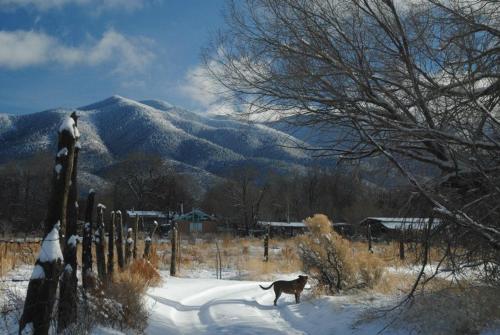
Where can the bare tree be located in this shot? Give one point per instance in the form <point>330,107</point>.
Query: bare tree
<point>415,85</point>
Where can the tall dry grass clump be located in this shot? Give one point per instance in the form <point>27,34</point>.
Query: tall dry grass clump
<point>119,303</point>
<point>331,260</point>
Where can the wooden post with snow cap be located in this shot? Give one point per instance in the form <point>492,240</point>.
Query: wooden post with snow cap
<point>148,242</point>
<point>68,297</point>
<point>111,246</point>
<point>100,243</point>
<point>119,240</point>
<point>44,280</point>
<point>87,273</point>
<point>129,246</point>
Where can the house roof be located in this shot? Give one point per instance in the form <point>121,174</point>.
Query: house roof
<point>196,215</point>
<point>150,214</point>
<point>282,224</point>
<point>400,223</point>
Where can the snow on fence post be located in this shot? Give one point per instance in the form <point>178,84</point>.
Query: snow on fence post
<point>129,246</point>
<point>68,297</point>
<point>111,246</point>
<point>100,241</point>
<point>42,288</point>
<point>136,228</point>
<point>173,256</point>
<point>148,242</point>
<point>119,240</point>
<point>87,273</point>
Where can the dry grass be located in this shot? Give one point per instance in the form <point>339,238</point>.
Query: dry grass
<point>453,310</point>
<point>16,254</point>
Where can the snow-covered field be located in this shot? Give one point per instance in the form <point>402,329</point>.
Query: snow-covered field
<point>204,305</point>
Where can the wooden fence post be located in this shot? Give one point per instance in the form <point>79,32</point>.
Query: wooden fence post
<point>266,248</point>
<point>119,240</point>
<point>369,233</point>
<point>87,274</point>
<point>111,246</point>
<point>148,242</point>
<point>68,298</point>
<point>44,280</point>
<point>129,246</point>
<point>100,241</point>
<point>136,229</point>
<point>173,257</point>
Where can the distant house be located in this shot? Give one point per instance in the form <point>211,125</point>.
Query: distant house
<point>196,221</point>
<point>147,219</point>
<point>388,227</point>
<point>283,228</point>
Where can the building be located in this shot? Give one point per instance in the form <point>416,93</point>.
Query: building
<point>147,219</point>
<point>196,221</point>
<point>343,228</point>
<point>391,228</point>
<point>283,228</point>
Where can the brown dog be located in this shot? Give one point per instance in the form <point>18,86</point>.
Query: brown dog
<point>288,286</point>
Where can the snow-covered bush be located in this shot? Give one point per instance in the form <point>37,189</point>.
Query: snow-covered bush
<point>333,262</point>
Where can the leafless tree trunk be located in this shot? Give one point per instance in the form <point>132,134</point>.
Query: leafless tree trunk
<point>119,240</point>
<point>87,273</point>
<point>111,246</point>
<point>41,294</point>
<point>68,298</point>
<point>100,241</point>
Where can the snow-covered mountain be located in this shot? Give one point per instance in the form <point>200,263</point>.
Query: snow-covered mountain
<point>116,127</point>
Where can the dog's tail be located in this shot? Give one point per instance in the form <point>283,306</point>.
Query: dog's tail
<point>266,288</point>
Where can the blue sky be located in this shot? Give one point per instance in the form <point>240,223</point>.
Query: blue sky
<point>68,53</point>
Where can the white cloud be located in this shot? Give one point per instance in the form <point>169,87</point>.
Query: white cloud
<point>97,5</point>
<point>213,98</point>
<point>200,87</point>
<point>30,48</point>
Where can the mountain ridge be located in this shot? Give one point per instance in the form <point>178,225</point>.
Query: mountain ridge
<point>116,127</point>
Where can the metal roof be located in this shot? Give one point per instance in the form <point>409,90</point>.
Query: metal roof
<point>151,214</point>
<point>282,224</point>
<point>401,223</point>
<point>195,215</point>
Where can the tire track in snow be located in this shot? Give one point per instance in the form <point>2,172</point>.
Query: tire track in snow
<point>223,307</point>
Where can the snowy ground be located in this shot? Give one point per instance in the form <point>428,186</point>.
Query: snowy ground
<point>211,306</point>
